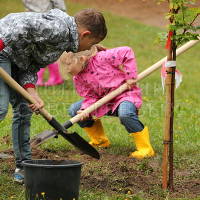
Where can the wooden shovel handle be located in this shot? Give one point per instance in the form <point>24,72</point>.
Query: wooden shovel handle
<point>13,84</point>
<point>100,102</point>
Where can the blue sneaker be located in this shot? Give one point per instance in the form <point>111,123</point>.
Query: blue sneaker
<point>19,175</point>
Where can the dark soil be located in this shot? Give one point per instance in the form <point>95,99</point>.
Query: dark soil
<point>121,175</point>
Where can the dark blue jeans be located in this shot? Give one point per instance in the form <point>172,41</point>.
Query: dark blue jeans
<point>126,112</point>
<point>21,115</point>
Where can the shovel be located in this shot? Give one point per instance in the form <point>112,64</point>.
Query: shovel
<point>40,138</point>
<point>73,138</point>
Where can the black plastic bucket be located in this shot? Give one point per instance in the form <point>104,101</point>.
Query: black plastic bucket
<point>52,179</point>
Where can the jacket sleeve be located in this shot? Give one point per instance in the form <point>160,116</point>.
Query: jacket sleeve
<point>28,78</point>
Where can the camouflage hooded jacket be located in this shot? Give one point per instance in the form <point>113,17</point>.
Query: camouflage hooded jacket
<point>34,40</point>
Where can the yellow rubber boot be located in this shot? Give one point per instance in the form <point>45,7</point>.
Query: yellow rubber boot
<point>97,135</point>
<point>143,145</point>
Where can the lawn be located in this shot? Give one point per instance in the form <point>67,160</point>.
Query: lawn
<point>115,176</point>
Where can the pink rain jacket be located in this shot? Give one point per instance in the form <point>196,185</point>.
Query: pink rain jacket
<point>103,75</point>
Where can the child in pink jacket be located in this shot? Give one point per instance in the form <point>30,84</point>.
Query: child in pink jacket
<point>95,74</point>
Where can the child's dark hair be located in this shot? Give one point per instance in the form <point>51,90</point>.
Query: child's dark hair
<point>93,20</point>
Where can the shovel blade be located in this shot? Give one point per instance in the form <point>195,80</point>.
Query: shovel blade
<point>75,139</point>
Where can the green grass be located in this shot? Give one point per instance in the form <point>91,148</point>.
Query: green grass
<point>123,32</point>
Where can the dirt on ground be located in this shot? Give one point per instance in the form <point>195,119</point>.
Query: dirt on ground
<point>118,174</point>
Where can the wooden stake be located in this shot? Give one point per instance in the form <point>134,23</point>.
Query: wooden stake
<point>168,128</point>
<point>171,136</point>
<point>167,164</point>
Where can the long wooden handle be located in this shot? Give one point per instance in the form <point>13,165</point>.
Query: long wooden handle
<point>124,87</point>
<point>13,84</point>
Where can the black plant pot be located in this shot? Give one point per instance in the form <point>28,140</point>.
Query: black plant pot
<point>52,179</point>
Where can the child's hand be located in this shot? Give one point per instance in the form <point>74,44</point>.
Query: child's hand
<point>131,83</point>
<point>40,104</point>
<point>84,115</point>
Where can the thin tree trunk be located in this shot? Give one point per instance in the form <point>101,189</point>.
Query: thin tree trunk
<point>167,164</point>
<point>171,146</point>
